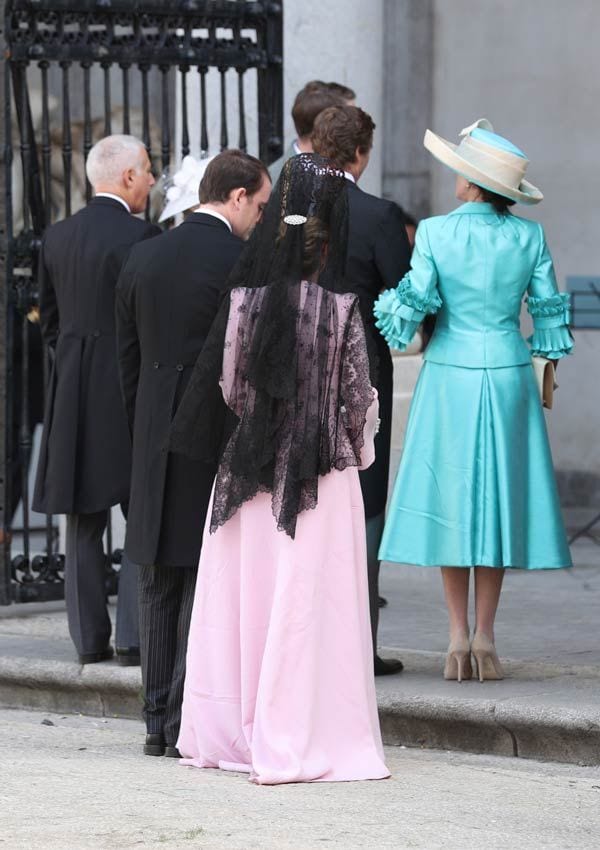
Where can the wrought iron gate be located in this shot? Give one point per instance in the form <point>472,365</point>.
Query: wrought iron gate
<point>62,57</point>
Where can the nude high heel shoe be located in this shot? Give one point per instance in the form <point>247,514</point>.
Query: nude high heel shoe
<point>458,660</point>
<point>486,658</point>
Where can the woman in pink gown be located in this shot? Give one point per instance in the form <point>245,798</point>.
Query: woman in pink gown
<point>279,680</point>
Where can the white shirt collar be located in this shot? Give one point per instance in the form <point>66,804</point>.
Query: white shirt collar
<point>115,198</point>
<point>349,176</point>
<point>215,214</point>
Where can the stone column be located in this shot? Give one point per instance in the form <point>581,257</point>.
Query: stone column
<point>407,102</point>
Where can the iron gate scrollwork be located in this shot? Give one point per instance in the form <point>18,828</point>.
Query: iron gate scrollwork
<point>73,72</point>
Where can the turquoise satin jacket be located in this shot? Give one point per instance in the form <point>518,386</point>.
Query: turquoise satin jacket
<point>473,268</point>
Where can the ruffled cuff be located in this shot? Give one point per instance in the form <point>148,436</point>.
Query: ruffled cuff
<point>551,317</point>
<point>400,311</point>
<point>550,312</point>
<point>551,342</point>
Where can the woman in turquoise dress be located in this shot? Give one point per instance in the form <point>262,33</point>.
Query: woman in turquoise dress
<point>476,485</point>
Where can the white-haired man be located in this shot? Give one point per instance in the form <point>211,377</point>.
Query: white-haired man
<point>85,457</point>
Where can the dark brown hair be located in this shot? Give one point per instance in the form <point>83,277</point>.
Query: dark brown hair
<point>310,101</point>
<point>316,237</point>
<point>340,130</point>
<point>229,170</point>
<point>499,202</point>
<point>344,92</point>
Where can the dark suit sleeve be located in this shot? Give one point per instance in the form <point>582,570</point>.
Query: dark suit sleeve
<point>392,248</point>
<point>153,230</point>
<point>122,250</point>
<point>48,306</point>
<point>128,344</point>
<point>216,291</point>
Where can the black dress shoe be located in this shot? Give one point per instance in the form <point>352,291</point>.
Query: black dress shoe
<point>155,744</point>
<point>129,657</point>
<point>95,657</point>
<point>172,752</point>
<point>381,603</point>
<point>386,667</point>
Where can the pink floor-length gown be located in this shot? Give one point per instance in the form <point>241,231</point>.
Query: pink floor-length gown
<point>279,679</point>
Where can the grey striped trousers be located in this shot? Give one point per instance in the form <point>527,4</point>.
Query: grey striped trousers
<point>166,597</point>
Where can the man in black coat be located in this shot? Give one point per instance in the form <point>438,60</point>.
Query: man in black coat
<point>168,295</point>
<point>312,99</point>
<point>378,258</point>
<point>85,456</point>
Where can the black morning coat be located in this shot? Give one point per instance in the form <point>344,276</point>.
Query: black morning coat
<point>167,298</point>
<point>85,455</point>
<point>378,258</point>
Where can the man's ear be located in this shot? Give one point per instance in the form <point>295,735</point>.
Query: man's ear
<point>238,194</point>
<point>128,177</point>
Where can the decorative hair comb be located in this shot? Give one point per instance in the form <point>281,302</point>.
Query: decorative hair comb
<point>295,219</point>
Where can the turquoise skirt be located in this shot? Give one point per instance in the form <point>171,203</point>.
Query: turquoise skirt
<point>476,484</point>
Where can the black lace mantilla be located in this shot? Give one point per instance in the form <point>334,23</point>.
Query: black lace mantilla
<point>280,392</point>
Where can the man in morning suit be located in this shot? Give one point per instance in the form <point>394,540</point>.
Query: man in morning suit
<point>378,257</point>
<point>85,456</point>
<point>168,295</point>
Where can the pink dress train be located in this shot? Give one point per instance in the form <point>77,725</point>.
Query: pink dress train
<point>279,679</point>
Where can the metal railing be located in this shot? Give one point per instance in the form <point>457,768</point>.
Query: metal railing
<point>71,73</point>
<point>585,307</point>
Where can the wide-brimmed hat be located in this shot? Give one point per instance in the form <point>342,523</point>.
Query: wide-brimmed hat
<point>182,193</point>
<point>487,159</point>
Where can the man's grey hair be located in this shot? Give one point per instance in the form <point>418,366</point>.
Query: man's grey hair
<point>111,156</point>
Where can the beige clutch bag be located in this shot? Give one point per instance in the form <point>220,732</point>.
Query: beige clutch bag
<point>546,381</point>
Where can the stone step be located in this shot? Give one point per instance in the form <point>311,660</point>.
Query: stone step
<point>540,711</point>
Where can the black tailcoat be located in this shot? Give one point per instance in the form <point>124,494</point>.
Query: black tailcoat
<point>167,298</point>
<point>85,455</point>
<point>378,257</point>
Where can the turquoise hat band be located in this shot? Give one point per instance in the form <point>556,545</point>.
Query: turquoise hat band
<point>496,141</point>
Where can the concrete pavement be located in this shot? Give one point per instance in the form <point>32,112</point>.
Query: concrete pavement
<point>81,783</point>
<point>548,707</point>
